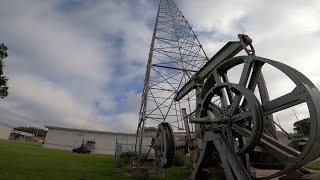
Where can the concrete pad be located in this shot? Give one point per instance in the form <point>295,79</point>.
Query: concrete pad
<point>138,171</point>
<point>155,173</point>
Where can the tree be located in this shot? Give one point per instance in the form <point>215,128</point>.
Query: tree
<point>3,79</point>
<point>150,129</point>
<point>36,131</point>
<point>302,126</point>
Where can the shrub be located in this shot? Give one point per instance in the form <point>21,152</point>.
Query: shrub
<point>179,159</point>
<point>126,158</point>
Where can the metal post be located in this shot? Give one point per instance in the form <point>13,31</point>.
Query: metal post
<point>186,124</point>
<point>298,122</point>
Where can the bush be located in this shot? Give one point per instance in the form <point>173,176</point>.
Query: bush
<point>179,159</point>
<point>126,158</point>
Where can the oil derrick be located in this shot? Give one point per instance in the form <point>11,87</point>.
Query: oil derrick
<point>175,55</point>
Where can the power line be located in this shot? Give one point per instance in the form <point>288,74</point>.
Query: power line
<point>21,117</point>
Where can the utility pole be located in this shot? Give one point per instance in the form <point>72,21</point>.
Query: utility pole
<point>298,123</point>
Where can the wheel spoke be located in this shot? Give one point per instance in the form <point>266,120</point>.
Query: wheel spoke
<point>242,82</point>
<point>241,116</point>
<point>252,140</point>
<point>230,137</point>
<point>256,71</point>
<point>242,131</point>
<point>276,143</point>
<point>245,74</point>
<point>271,145</point>
<point>229,93</point>
<point>297,96</point>
<point>254,78</point>
<point>215,109</point>
<point>235,103</point>
<point>245,78</point>
<point>222,94</point>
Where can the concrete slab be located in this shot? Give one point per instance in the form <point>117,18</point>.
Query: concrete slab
<point>138,171</point>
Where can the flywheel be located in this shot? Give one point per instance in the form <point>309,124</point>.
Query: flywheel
<point>164,146</point>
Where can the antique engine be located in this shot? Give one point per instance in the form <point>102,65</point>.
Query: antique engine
<point>234,122</point>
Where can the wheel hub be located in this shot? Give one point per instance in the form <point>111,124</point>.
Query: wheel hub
<point>235,117</point>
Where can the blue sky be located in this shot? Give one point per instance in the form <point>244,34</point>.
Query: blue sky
<point>65,55</point>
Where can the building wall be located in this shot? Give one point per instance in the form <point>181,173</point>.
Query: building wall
<point>4,131</point>
<point>105,142</point>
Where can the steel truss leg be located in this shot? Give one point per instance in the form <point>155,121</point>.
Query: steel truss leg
<point>233,168</point>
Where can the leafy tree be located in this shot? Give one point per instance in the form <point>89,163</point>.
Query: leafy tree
<point>302,126</point>
<point>36,131</point>
<point>3,79</point>
<point>150,129</point>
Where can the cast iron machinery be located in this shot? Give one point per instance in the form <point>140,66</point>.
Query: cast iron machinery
<point>234,125</point>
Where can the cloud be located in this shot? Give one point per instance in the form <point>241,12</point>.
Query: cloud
<point>288,32</point>
<point>55,104</point>
<point>64,56</point>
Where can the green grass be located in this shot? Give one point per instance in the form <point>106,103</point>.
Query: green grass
<point>314,165</point>
<point>30,161</point>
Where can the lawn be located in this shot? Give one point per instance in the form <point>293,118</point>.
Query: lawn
<point>30,161</point>
<point>314,165</point>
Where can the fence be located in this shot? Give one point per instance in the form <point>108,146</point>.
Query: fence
<point>127,147</point>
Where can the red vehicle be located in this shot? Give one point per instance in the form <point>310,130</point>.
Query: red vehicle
<point>82,149</point>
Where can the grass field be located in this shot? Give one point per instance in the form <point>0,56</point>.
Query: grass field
<point>30,161</point>
<point>314,165</point>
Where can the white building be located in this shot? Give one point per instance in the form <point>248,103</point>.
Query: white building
<point>20,135</point>
<point>105,142</point>
<point>4,131</point>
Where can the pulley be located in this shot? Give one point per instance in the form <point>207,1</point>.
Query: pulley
<point>164,146</point>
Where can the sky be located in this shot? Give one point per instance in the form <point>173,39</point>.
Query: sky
<point>81,64</point>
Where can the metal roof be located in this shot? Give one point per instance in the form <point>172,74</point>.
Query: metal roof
<point>92,131</point>
<point>150,134</point>
<point>21,133</point>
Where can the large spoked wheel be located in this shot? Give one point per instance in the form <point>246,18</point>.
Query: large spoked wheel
<point>164,146</point>
<point>228,120</point>
<point>224,102</point>
<point>222,120</point>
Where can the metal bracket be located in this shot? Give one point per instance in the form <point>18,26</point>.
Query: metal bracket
<point>246,41</point>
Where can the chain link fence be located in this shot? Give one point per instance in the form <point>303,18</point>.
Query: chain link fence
<point>125,153</point>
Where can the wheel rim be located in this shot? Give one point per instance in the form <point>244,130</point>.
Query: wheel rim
<point>228,121</point>
<point>304,91</point>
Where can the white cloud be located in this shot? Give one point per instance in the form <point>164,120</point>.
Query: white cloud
<point>54,103</point>
<point>63,57</point>
<point>287,31</point>
<point>61,60</point>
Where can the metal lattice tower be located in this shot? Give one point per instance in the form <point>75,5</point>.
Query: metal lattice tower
<point>175,55</point>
